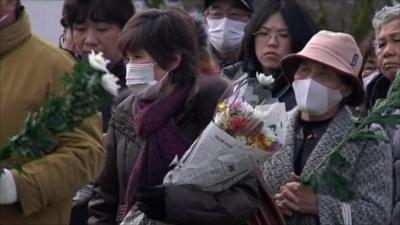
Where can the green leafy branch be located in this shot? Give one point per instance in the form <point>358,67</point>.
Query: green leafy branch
<point>84,96</point>
<point>360,131</point>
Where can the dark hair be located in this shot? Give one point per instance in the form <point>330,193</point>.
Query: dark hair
<point>246,5</point>
<point>163,34</point>
<point>110,11</point>
<point>367,48</point>
<point>301,28</point>
<point>18,8</point>
<point>207,65</point>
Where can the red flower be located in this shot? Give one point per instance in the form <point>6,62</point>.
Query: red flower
<point>237,124</point>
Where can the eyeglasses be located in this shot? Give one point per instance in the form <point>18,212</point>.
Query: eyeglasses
<point>265,35</point>
<point>61,40</point>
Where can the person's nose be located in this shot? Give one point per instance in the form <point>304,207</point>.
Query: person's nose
<point>91,39</point>
<point>389,49</point>
<point>272,40</point>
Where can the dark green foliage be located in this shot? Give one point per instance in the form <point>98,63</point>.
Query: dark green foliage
<point>84,96</point>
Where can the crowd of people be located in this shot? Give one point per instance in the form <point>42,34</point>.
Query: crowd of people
<point>173,69</point>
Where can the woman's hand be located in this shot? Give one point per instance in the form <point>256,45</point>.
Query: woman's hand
<point>286,201</point>
<point>295,197</point>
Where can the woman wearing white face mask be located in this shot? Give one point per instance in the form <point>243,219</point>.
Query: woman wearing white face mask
<point>170,105</point>
<point>324,78</point>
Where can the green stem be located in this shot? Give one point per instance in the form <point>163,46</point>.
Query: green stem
<point>362,124</point>
<point>333,151</point>
<point>351,132</point>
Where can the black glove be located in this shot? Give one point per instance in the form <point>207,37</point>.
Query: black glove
<point>150,200</point>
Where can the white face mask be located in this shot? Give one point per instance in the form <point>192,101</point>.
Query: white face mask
<point>225,34</point>
<point>314,98</point>
<point>140,79</point>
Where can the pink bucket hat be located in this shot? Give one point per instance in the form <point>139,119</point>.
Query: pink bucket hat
<point>336,50</point>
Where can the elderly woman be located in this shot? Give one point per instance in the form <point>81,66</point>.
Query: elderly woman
<point>324,79</point>
<point>170,106</point>
<point>387,48</point>
<point>387,29</point>
<point>277,29</point>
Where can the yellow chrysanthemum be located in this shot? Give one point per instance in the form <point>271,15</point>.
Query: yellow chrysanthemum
<point>223,107</point>
<point>262,142</point>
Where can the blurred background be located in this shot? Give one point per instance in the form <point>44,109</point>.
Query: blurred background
<point>352,16</point>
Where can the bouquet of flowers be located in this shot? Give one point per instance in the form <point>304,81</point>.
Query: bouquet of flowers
<point>236,142</point>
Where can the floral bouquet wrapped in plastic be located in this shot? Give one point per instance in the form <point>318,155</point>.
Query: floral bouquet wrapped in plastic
<point>236,142</point>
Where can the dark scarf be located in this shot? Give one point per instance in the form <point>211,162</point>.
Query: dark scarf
<point>156,124</point>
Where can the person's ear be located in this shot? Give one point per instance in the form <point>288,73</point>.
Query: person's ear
<point>176,62</point>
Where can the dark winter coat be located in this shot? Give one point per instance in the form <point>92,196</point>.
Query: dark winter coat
<point>123,146</point>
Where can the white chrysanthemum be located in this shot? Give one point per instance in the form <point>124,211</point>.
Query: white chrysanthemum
<point>247,108</point>
<point>265,80</point>
<point>110,83</point>
<point>218,118</point>
<point>98,62</point>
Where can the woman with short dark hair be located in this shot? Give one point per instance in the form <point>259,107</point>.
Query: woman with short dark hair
<point>170,105</point>
<point>96,25</point>
<point>156,34</point>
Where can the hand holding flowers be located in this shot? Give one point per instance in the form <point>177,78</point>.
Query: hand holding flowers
<point>382,113</point>
<point>296,197</point>
<point>85,94</point>
<point>234,144</point>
